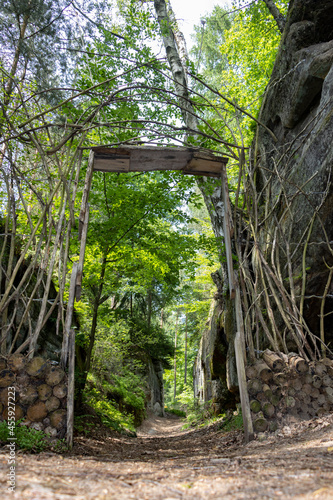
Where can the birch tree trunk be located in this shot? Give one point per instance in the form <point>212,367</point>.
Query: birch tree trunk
<point>278,16</point>
<point>174,44</point>
<point>175,363</point>
<point>176,66</point>
<point>185,367</point>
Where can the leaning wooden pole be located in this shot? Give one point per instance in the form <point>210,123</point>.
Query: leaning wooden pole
<point>244,396</point>
<point>71,387</point>
<point>76,277</point>
<point>79,275</point>
<point>240,350</point>
<point>227,230</point>
<point>69,316</point>
<point>85,194</point>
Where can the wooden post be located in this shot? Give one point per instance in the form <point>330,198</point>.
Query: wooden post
<point>239,316</point>
<point>244,396</point>
<point>227,230</point>
<point>70,394</point>
<point>86,191</point>
<point>69,316</point>
<point>78,284</point>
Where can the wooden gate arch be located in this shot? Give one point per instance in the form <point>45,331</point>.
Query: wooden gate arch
<point>124,159</point>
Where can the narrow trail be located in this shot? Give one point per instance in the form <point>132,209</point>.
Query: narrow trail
<point>164,462</point>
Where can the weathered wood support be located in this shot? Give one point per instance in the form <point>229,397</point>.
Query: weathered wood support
<point>227,230</point>
<point>86,191</point>
<point>70,395</point>
<point>78,285</point>
<point>239,314</point>
<point>244,396</point>
<point>69,316</point>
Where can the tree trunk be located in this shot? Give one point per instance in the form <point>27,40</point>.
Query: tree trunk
<point>185,374</point>
<point>176,66</point>
<point>278,16</point>
<point>175,363</point>
<point>149,303</point>
<point>83,379</point>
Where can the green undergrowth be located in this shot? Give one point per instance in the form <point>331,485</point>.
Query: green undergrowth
<point>200,414</point>
<point>30,440</point>
<point>232,422</point>
<point>202,417</point>
<point>120,404</point>
<point>175,411</point>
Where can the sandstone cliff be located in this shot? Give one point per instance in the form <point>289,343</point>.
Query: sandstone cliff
<point>294,173</point>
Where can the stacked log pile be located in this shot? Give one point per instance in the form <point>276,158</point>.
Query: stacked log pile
<point>40,393</point>
<point>283,386</point>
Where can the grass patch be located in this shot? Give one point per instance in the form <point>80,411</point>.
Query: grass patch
<point>175,411</point>
<point>232,422</point>
<point>30,440</point>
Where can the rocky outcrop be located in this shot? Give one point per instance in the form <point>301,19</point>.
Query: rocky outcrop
<point>214,371</point>
<point>291,171</point>
<point>294,172</point>
<point>154,387</point>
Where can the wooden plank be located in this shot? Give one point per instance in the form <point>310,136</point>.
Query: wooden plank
<point>204,165</point>
<point>112,164</point>
<point>78,283</point>
<point>71,387</point>
<point>203,155</point>
<point>244,396</point>
<point>69,316</point>
<point>128,150</point>
<point>159,159</point>
<point>227,235</point>
<point>146,159</point>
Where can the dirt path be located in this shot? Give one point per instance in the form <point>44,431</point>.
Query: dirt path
<point>160,426</point>
<point>166,463</point>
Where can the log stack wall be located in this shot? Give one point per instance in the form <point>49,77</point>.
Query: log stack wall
<point>40,389</point>
<point>286,388</point>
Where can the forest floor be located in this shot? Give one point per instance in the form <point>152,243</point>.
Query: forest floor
<point>164,462</point>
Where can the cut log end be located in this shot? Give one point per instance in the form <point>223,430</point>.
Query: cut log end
<point>36,366</point>
<point>260,424</point>
<point>37,411</point>
<point>273,360</point>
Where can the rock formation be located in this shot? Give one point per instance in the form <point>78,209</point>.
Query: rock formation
<point>294,173</point>
<point>291,180</point>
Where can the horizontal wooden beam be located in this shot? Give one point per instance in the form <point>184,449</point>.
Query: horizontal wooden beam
<point>146,159</point>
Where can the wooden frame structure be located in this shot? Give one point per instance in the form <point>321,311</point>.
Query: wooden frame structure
<point>146,159</point>
<point>189,161</point>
